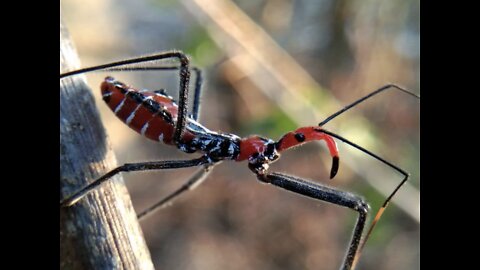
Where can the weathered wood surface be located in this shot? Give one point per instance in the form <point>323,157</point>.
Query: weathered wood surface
<point>101,231</point>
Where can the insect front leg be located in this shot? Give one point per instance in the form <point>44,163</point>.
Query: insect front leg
<point>338,197</point>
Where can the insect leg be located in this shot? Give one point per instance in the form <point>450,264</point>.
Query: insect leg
<point>198,84</point>
<point>380,211</point>
<point>198,81</point>
<point>193,182</point>
<point>131,167</point>
<point>320,192</point>
<point>197,91</point>
<point>123,64</point>
<point>197,94</point>
<point>184,81</point>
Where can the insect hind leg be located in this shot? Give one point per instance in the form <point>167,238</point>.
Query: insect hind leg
<point>195,113</point>
<point>184,71</point>
<point>193,182</point>
<point>184,81</point>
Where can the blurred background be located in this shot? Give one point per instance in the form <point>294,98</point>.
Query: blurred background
<point>270,66</point>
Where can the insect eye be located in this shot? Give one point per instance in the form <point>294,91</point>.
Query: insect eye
<point>270,148</point>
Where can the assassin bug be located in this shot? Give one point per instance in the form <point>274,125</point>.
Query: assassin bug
<point>157,116</point>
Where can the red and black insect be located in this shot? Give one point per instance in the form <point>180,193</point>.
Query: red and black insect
<point>157,116</point>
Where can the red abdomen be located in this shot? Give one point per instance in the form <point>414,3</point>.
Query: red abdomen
<point>152,114</point>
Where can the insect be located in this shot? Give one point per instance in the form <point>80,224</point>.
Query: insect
<point>157,116</point>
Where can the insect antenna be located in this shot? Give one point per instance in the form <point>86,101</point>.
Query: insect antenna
<point>401,171</point>
<point>355,103</point>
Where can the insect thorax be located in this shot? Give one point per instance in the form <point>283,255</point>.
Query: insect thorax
<point>217,146</point>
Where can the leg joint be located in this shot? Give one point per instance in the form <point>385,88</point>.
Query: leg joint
<point>362,207</point>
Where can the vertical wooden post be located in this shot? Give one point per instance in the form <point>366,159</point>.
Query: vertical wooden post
<point>101,231</point>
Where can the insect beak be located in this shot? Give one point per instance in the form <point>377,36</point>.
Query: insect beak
<point>335,165</point>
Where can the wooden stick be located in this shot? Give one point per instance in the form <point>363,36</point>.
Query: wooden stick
<point>101,231</point>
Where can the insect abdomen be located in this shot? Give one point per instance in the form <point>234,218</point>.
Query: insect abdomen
<point>150,114</point>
